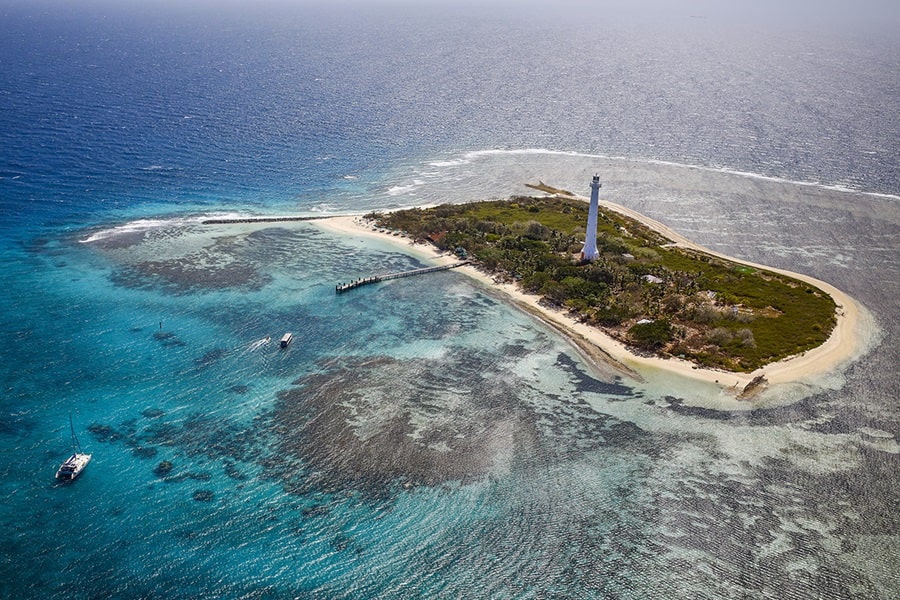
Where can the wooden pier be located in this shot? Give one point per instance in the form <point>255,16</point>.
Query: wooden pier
<point>346,287</point>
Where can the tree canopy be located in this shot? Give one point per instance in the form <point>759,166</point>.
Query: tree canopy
<point>642,289</point>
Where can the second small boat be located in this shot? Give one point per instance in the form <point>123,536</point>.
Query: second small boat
<point>286,339</point>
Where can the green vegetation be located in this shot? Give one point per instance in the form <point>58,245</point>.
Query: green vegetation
<point>641,289</point>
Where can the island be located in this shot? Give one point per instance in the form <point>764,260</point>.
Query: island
<point>651,297</point>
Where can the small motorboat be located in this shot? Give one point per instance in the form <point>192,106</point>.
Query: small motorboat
<point>286,339</point>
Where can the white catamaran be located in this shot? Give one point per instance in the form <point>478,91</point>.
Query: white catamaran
<point>76,463</point>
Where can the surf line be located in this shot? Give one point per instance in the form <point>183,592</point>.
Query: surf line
<point>233,220</point>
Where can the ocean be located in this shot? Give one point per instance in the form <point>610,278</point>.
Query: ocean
<point>421,438</point>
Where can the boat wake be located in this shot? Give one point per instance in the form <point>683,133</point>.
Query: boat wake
<point>259,344</point>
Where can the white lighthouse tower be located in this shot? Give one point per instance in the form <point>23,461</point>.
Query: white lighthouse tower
<point>589,252</point>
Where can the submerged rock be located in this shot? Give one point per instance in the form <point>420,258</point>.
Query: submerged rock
<point>144,451</point>
<point>104,433</point>
<point>211,357</point>
<point>163,468</point>
<point>168,339</point>
<point>203,495</point>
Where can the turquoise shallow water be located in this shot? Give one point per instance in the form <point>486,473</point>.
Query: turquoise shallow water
<point>190,389</point>
<point>421,438</point>
<point>418,438</point>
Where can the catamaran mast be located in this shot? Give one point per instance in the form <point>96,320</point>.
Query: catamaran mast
<point>76,447</point>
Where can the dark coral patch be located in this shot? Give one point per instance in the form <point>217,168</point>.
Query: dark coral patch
<point>203,495</point>
<point>168,339</point>
<point>368,426</point>
<point>211,357</point>
<point>378,424</point>
<point>144,451</point>
<point>163,468</point>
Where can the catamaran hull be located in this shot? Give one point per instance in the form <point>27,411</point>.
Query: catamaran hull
<point>73,466</point>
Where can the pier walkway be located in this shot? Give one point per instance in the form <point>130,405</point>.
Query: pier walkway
<point>346,287</point>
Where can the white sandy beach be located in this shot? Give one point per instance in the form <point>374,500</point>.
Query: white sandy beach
<point>846,342</point>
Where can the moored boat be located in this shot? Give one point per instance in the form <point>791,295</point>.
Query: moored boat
<point>75,464</point>
<point>286,339</point>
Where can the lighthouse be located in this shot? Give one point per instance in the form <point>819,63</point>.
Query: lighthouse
<point>589,252</point>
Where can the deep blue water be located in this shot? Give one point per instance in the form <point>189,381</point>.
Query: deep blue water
<point>421,438</point>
